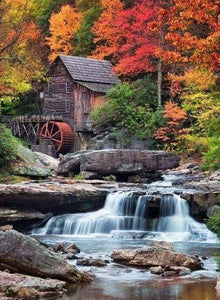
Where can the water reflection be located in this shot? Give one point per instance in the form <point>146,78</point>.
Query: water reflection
<point>152,290</point>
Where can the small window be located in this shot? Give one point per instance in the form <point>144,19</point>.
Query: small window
<point>50,88</point>
<point>68,87</point>
<point>50,104</point>
<point>67,106</point>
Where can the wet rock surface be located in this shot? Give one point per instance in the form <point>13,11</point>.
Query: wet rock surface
<point>19,286</point>
<point>54,196</point>
<point>13,215</point>
<point>117,162</point>
<point>155,256</point>
<point>91,262</point>
<point>24,254</point>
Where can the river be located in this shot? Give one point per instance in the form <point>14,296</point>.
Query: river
<point>124,223</point>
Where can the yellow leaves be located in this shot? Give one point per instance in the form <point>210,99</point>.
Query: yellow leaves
<point>112,5</point>
<point>63,27</point>
<point>196,79</point>
<point>20,44</point>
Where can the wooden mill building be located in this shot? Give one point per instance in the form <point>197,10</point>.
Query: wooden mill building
<point>76,86</point>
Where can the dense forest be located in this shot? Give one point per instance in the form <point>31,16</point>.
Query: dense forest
<point>165,52</point>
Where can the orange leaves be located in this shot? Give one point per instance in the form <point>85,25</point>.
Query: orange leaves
<point>193,31</point>
<point>173,114</point>
<point>63,26</point>
<point>106,30</point>
<point>174,117</point>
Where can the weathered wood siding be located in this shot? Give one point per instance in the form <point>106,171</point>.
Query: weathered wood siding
<point>81,99</point>
<point>55,102</point>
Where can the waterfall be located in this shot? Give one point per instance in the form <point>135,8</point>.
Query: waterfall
<point>139,222</point>
<point>120,212</point>
<point>123,211</point>
<point>175,222</point>
<point>174,214</point>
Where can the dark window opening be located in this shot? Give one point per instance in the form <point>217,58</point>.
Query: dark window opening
<point>67,106</point>
<point>68,87</point>
<point>50,89</point>
<point>50,104</point>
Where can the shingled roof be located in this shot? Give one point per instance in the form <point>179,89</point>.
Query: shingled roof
<point>94,74</point>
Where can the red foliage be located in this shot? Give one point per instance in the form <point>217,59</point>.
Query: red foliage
<point>129,40</point>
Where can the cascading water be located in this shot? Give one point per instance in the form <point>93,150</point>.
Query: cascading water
<point>174,215</point>
<point>175,222</point>
<point>120,212</point>
<point>123,212</point>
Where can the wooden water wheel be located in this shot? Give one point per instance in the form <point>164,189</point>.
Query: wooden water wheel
<point>60,134</point>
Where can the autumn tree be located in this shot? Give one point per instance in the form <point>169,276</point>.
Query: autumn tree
<point>106,30</point>
<point>132,37</point>
<point>193,33</point>
<point>63,27</point>
<point>19,42</point>
<point>174,117</point>
<point>43,9</point>
<point>83,40</point>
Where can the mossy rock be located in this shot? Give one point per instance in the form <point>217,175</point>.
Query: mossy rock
<point>29,164</point>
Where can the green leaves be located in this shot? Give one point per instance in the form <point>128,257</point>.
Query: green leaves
<point>8,146</point>
<point>130,107</point>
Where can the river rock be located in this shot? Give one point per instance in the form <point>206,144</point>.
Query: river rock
<point>48,161</point>
<point>72,248</point>
<point>26,255</point>
<point>29,164</point>
<point>14,215</point>
<point>177,269</point>
<point>156,270</point>
<point>169,273</point>
<point>200,202</point>
<point>153,256</point>
<point>91,262</point>
<point>162,244</point>
<point>117,162</point>
<point>19,286</point>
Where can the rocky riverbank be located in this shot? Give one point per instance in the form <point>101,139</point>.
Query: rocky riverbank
<point>29,270</point>
<point>33,202</point>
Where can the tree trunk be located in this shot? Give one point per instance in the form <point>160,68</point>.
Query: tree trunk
<point>159,82</point>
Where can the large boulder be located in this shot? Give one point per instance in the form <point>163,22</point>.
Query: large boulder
<point>56,196</point>
<point>26,255</point>
<point>118,162</point>
<point>33,164</point>
<point>154,256</point>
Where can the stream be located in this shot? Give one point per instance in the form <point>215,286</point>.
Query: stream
<point>124,222</point>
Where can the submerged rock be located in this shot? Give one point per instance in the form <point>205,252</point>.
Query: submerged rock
<point>156,270</point>
<point>169,274</point>
<point>19,286</point>
<point>24,254</point>
<point>155,255</point>
<point>91,262</point>
<point>117,162</point>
